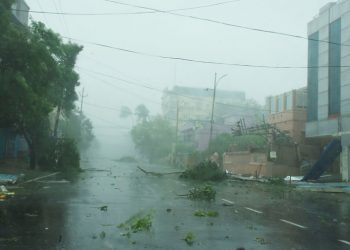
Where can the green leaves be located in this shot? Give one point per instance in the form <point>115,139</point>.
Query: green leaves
<point>36,75</point>
<point>154,138</point>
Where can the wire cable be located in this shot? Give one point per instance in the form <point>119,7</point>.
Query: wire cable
<point>225,23</point>
<point>123,13</point>
<point>202,61</point>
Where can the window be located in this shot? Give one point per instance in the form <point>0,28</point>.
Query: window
<point>289,101</point>
<point>280,104</point>
<point>334,69</point>
<point>273,105</point>
<point>312,86</point>
<point>301,99</point>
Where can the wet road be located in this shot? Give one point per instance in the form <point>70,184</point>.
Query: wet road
<point>48,215</point>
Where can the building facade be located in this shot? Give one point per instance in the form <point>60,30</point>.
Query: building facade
<point>190,109</point>
<point>328,113</point>
<point>20,11</point>
<point>195,104</point>
<point>287,112</point>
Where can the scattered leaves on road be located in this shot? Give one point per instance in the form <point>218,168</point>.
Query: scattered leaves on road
<point>102,235</point>
<point>139,222</point>
<point>205,192</point>
<point>104,208</point>
<point>208,213</point>
<point>261,240</point>
<point>189,238</point>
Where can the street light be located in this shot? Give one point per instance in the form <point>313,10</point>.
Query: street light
<point>216,82</point>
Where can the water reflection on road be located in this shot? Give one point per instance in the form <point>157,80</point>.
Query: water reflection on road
<point>69,216</point>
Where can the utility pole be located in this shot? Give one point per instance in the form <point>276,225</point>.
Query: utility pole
<point>177,130</point>
<point>82,101</point>
<point>216,82</point>
<point>212,110</point>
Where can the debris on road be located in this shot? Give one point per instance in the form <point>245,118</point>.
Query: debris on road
<point>40,178</point>
<point>261,240</point>
<point>203,213</point>
<point>102,235</point>
<point>189,238</point>
<point>137,223</point>
<point>158,174</point>
<point>31,215</point>
<point>205,171</point>
<point>104,208</point>
<point>55,182</point>
<point>205,192</point>
<point>8,179</point>
<point>4,193</point>
<point>292,179</point>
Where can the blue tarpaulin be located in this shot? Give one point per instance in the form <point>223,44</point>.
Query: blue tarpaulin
<point>8,178</point>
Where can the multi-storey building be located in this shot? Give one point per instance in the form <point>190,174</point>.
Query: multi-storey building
<point>20,11</point>
<point>287,112</point>
<point>195,104</point>
<point>328,113</point>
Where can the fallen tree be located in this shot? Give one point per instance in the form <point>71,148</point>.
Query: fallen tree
<point>205,171</point>
<point>158,174</point>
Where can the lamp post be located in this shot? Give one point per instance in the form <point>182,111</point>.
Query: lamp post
<point>216,82</point>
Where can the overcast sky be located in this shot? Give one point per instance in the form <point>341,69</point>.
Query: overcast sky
<point>169,35</point>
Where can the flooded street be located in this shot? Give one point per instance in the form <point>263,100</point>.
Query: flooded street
<point>85,214</point>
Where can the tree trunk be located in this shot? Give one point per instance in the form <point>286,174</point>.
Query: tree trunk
<point>32,155</point>
<point>32,151</point>
<point>57,120</point>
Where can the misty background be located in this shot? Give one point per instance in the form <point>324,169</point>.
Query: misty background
<point>113,78</point>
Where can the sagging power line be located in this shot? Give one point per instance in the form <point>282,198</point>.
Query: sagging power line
<point>203,61</point>
<point>226,24</point>
<point>121,13</point>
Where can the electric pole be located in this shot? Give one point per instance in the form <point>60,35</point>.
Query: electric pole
<point>177,130</point>
<point>212,110</point>
<point>82,101</point>
<point>216,82</point>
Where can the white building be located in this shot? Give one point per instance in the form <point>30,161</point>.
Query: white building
<point>20,11</point>
<point>329,78</point>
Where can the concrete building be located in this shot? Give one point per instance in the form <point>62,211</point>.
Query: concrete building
<point>328,113</point>
<point>20,11</point>
<point>287,112</point>
<point>192,108</point>
<point>195,104</point>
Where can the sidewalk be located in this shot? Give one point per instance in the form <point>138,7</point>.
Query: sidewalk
<point>336,187</point>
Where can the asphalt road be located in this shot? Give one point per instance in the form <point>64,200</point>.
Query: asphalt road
<point>48,215</point>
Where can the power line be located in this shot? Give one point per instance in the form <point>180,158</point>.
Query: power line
<point>225,23</point>
<point>90,72</point>
<point>122,13</point>
<point>202,61</point>
<point>142,85</point>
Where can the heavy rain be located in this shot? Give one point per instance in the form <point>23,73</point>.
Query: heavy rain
<point>174,124</point>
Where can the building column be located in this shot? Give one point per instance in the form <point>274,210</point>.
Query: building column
<point>345,159</point>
